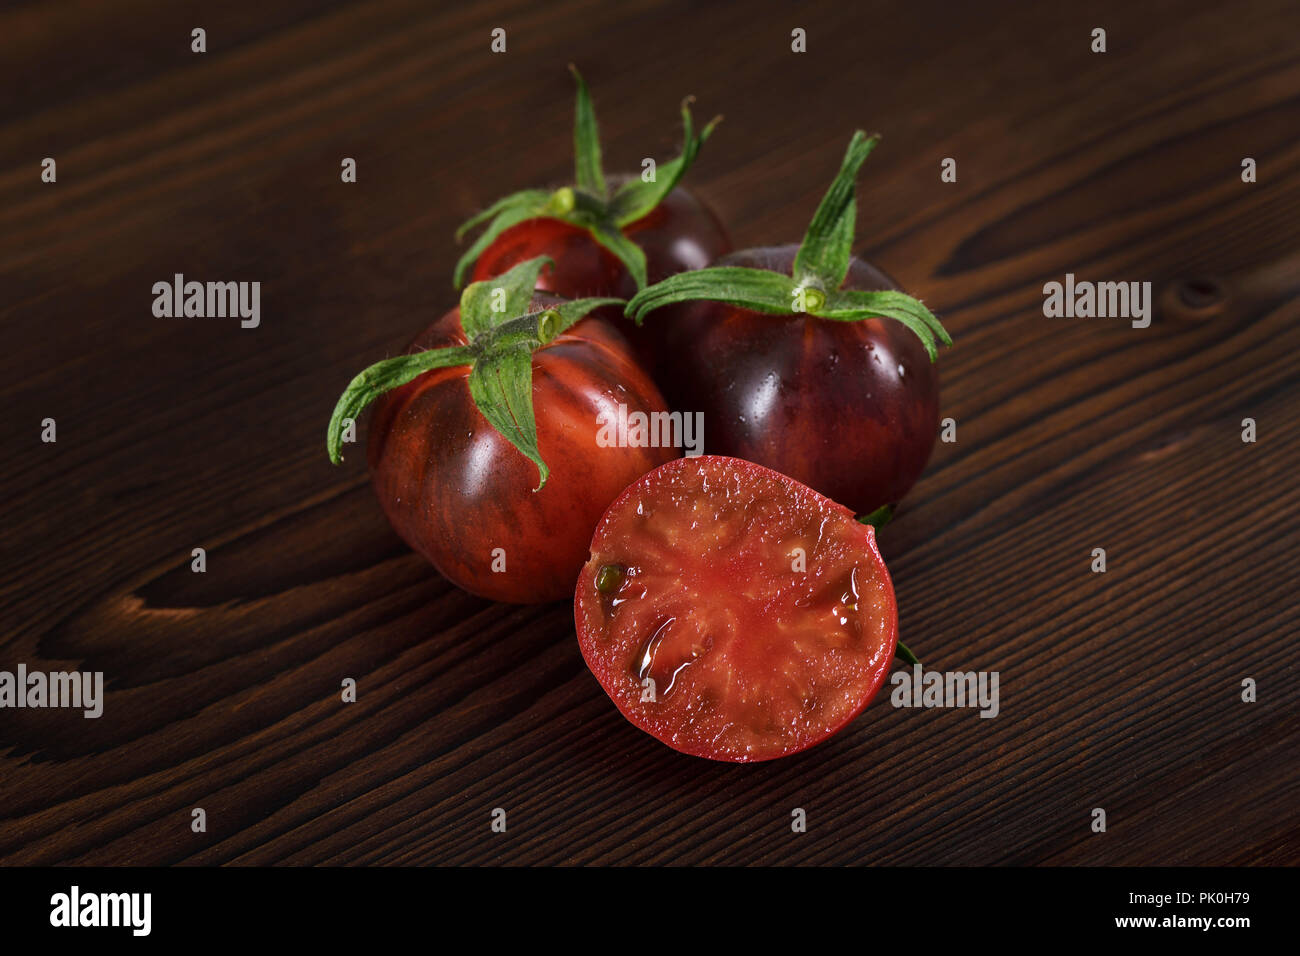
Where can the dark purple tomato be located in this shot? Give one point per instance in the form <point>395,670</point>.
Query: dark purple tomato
<point>679,234</point>
<point>457,491</point>
<point>849,408</point>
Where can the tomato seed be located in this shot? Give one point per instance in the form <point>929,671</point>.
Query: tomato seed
<point>610,578</point>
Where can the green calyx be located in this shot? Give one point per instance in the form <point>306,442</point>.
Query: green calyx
<point>813,287</point>
<point>502,334</point>
<point>878,518</point>
<point>588,203</point>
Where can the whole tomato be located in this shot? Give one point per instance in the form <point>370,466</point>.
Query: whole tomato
<point>849,408</point>
<point>458,487</point>
<point>806,359</point>
<point>605,237</point>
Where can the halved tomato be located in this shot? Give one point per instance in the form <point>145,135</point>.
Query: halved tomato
<point>734,613</point>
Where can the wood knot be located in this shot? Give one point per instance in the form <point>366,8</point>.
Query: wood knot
<point>1194,299</point>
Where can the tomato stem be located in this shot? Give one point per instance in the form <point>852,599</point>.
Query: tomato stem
<point>587,204</point>
<point>878,518</point>
<point>904,654</point>
<point>827,246</point>
<point>814,285</point>
<point>562,201</point>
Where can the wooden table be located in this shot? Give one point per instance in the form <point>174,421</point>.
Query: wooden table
<point>1119,691</point>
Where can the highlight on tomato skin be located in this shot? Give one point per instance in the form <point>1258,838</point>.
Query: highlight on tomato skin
<point>733,613</point>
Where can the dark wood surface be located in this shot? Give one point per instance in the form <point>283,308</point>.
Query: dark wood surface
<point>1119,690</point>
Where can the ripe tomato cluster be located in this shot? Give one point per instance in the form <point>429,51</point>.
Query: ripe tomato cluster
<point>731,605</point>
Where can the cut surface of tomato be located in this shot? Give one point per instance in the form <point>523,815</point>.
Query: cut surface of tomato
<point>734,613</point>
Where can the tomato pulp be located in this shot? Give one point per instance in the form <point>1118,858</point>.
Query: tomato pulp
<point>850,408</point>
<point>460,494</point>
<point>734,613</point>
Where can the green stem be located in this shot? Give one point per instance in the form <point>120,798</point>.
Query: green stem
<point>827,246</point>
<point>878,518</point>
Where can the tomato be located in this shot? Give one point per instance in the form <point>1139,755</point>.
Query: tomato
<point>806,359</point>
<point>606,237</point>
<point>850,408</point>
<point>456,490</point>
<point>734,613</point>
<point>678,235</point>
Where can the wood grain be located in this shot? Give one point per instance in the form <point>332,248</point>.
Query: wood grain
<point>1119,690</point>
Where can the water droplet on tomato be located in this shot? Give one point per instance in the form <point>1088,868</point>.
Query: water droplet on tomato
<point>666,655</point>
<point>647,657</point>
<point>627,592</point>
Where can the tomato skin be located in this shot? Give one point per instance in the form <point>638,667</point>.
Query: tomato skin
<point>582,267</point>
<point>740,600</point>
<point>455,489</point>
<point>849,408</point>
<point>680,234</point>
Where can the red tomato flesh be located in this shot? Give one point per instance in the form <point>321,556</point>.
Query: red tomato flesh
<point>699,620</point>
